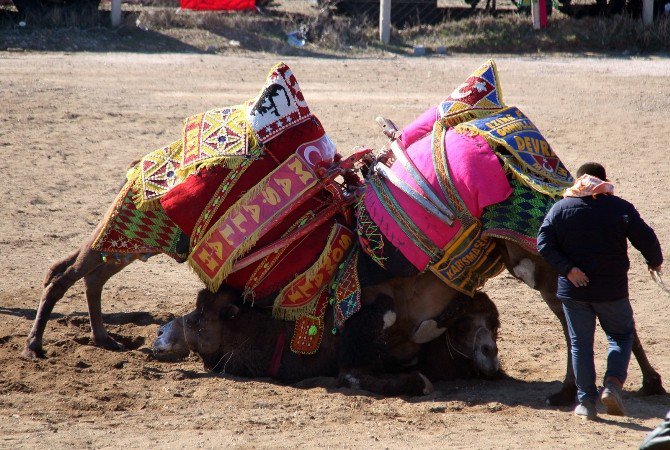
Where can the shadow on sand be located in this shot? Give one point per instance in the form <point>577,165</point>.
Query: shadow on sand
<point>453,396</point>
<point>139,318</point>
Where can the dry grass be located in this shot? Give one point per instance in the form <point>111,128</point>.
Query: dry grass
<point>512,33</point>
<point>163,27</point>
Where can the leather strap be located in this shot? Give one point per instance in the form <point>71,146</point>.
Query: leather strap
<point>422,201</point>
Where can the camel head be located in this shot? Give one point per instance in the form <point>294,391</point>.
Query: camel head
<point>472,331</point>
<point>201,331</point>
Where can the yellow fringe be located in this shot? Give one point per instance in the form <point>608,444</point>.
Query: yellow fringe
<point>280,312</point>
<point>248,243</point>
<point>292,314</point>
<point>112,212</point>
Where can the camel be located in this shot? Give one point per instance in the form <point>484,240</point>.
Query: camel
<point>419,296</point>
<point>529,268</point>
<point>245,341</point>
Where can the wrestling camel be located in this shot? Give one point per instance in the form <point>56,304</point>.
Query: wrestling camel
<point>421,226</point>
<point>248,342</point>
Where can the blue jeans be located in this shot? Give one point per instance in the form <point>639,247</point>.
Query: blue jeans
<point>616,319</point>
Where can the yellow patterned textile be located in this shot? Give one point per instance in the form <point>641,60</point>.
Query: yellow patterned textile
<point>220,136</point>
<point>479,96</point>
<point>469,260</point>
<point>158,173</point>
<point>217,137</point>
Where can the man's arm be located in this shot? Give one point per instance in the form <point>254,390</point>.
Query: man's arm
<point>644,239</point>
<point>548,246</point>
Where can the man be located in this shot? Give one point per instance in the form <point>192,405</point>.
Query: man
<point>584,237</point>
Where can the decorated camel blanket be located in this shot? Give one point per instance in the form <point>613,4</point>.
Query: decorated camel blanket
<point>487,163</point>
<point>246,196</point>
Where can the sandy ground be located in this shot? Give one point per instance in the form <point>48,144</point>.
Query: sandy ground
<point>70,124</point>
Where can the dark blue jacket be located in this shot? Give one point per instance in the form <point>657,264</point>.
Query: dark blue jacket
<point>591,233</point>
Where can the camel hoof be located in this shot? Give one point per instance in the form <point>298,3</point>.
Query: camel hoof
<point>33,354</point>
<point>428,386</point>
<point>109,344</point>
<point>651,387</point>
<point>564,397</point>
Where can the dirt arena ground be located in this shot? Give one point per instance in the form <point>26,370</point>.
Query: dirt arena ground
<point>70,124</point>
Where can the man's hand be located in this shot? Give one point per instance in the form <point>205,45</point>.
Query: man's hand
<point>658,269</point>
<point>577,277</point>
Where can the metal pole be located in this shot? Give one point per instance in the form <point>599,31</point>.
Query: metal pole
<point>385,21</point>
<point>116,13</point>
<point>647,11</point>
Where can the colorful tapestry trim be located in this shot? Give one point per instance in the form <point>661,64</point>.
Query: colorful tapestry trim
<point>528,153</point>
<point>443,172</point>
<point>300,296</point>
<point>217,137</point>
<point>280,105</point>
<point>217,201</point>
<point>158,173</point>
<point>369,235</point>
<point>242,225</point>
<point>518,218</point>
<point>128,230</point>
<point>266,265</point>
<point>469,261</point>
<point>347,290</point>
<point>406,224</point>
<point>478,96</point>
<point>309,328</point>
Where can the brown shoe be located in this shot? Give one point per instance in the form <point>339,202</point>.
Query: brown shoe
<point>587,410</point>
<point>611,398</point>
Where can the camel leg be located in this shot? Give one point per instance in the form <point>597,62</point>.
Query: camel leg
<point>94,282</point>
<point>651,380</point>
<point>364,349</point>
<point>568,392</point>
<point>537,274</point>
<point>60,278</point>
<point>413,383</point>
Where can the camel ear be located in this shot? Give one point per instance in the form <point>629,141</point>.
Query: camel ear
<point>204,299</point>
<point>228,312</point>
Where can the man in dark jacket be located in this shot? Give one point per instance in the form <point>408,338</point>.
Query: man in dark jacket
<point>584,237</point>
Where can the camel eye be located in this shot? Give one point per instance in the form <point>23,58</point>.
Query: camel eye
<point>191,320</point>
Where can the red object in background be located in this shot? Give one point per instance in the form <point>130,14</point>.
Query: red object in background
<point>217,5</point>
<point>543,13</point>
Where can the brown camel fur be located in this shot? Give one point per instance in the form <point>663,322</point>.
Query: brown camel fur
<point>244,341</point>
<point>425,293</point>
<point>424,297</point>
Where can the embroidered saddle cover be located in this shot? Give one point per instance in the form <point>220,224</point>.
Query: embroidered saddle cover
<point>246,189</point>
<point>488,163</point>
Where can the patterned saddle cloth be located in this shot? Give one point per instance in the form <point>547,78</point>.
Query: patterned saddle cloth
<point>246,189</point>
<point>488,163</point>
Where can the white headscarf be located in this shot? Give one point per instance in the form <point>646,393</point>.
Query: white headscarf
<point>588,185</point>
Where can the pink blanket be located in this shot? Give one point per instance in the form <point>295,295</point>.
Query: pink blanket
<point>476,174</point>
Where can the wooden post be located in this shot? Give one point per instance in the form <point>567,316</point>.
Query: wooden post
<point>385,21</point>
<point>535,14</point>
<point>116,13</point>
<point>647,11</point>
